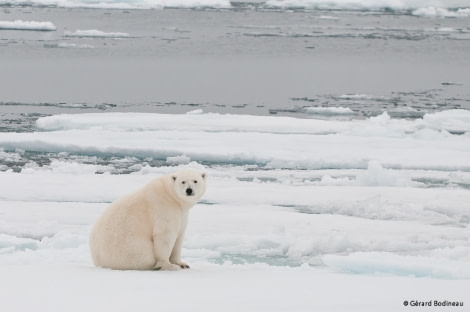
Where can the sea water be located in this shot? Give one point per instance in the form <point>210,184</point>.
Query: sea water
<point>298,58</point>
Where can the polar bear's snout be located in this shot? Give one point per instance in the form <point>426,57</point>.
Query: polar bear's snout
<point>189,191</point>
<point>189,186</point>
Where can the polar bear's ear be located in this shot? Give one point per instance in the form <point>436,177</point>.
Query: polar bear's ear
<point>203,176</point>
<point>174,178</point>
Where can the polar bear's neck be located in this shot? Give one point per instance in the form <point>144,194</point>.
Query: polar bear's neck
<point>169,196</point>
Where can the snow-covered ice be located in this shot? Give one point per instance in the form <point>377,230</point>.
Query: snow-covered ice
<point>433,8</point>
<point>425,143</point>
<point>441,12</point>
<point>95,33</point>
<point>123,4</point>
<point>27,25</point>
<point>299,214</point>
<point>67,45</point>
<point>372,4</point>
<point>215,288</point>
<point>340,180</point>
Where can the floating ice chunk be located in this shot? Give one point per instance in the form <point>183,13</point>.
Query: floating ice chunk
<point>307,143</point>
<point>389,263</point>
<point>328,17</point>
<point>460,253</point>
<point>376,175</point>
<point>10,243</point>
<point>127,4</point>
<point>211,122</point>
<point>195,112</point>
<point>441,12</point>
<point>329,180</point>
<point>446,29</point>
<point>63,240</point>
<point>354,4</point>
<point>329,111</point>
<point>381,126</point>
<point>421,7</point>
<point>66,45</point>
<point>96,34</point>
<point>20,151</point>
<point>455,120</point>
<point>451,83</point>
<point>464,12</point>
<point>429,134</point>
<point>194,3</point>
<point>355,97</point>
<point>27,25</point>
<point>430,12</point>
<point>381,119</point>
<point>63,167</point>
<point>178,160</point>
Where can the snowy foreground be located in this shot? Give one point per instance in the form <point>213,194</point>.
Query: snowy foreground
<point>299,215</point>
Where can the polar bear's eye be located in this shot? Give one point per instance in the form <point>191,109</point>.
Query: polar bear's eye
<point>195,181</point>
<point>184,182</point>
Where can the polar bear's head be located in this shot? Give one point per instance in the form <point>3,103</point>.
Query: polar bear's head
<point>189,185</point>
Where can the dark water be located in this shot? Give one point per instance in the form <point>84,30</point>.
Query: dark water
<point>246,60</point>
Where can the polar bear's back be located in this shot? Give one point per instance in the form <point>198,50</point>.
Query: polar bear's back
<point>122,236</point>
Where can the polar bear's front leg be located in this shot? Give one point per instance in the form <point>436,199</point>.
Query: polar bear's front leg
<point>162,251</point>
<point>175,256</point>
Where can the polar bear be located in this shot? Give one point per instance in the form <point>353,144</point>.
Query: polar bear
<point>145,230</point>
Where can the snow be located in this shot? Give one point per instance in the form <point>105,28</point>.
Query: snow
<point>299,214</point>
<point>214,288</point>
<point>27,25</point>
<point>386,263</point>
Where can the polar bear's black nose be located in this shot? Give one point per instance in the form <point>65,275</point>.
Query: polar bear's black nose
<point>189,191</point>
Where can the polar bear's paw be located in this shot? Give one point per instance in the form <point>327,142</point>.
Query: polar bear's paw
<point>167,266</point>
<point>183,265</point>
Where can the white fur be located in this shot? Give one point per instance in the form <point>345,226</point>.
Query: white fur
<point>145,230</point>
